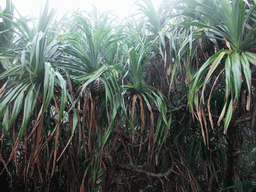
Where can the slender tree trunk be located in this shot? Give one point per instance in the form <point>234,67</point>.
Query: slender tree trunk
<point>232,156</point>
<point>111,165</point>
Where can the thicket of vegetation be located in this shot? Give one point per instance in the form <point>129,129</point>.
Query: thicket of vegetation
<point>162,101</point>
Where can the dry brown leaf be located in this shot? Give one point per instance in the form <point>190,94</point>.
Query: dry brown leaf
<point>228,44</point>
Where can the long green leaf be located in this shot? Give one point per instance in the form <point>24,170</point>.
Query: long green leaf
<point>5,122</point>
<point>48,84</point>
<point>228,77</point>
<point>10,72</point>
<point>17,107</point>
<point>228,116</point>
<point>29,106</point>
<point>11,95</point>
<point>237,73</point>
<point>251,57</point>
<point>247,75</point>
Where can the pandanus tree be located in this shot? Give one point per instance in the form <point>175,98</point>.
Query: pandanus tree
<point>91,61</point>
<point>233,23</point>
<point>114,97</point>
<point>31,87</point>
<point>156,31</point>
<point>136,89</point>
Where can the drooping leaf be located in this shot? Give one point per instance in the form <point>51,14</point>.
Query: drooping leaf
<point>228,115</point>
<point>237,73</point>
<point>247,74</point>
<point>29,106</point>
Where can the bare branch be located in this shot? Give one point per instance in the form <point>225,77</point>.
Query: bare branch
<point>149,174</point>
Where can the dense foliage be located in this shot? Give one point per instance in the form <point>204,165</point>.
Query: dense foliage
<point>161,101</point>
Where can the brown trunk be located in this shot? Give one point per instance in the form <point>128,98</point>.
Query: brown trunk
<point>232,156</point>
<point>111,164</point>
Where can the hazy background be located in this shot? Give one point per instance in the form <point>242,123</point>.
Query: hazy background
<point>121,8</point>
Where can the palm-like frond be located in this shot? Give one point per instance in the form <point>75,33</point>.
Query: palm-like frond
<point>228,21</point>
<point>31,73</point>
<point>143,97</point>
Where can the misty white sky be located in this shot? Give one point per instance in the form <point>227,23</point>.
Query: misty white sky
<point>120,8</point>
